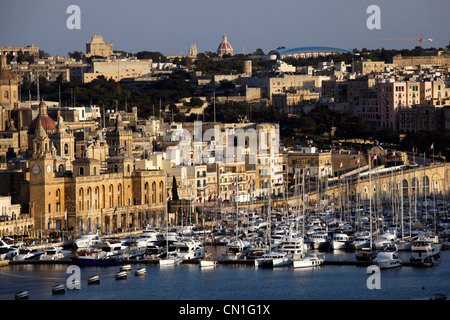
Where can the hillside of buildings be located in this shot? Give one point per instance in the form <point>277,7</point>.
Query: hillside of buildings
<point>97,135</point>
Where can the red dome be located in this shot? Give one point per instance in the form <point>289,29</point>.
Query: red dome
<point>46,122</point>
<point>225,47</point>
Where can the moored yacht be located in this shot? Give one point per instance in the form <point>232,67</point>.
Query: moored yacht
<point>340,241</point>
<point>310,260</point>
<point>362,240</point>
<point>426,251</point>
<point>87,240</point>
<point>294,247</point>
<point>319,240</point>
<point>26,253</point>
<point>187,249</point>
<point>386,239</point>
<point>273,259</point>
<point>388,258</point>
<point>53,253</point>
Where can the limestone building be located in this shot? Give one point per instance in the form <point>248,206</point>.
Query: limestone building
<point>95,195</point>
<point>98,47</point>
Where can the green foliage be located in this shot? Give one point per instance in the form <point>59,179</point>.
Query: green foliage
<point>109,92</point>
<point>422,141</point>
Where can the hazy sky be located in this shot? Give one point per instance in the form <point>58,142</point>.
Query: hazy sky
<point>171,26</point>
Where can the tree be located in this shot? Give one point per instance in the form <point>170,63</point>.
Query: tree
<point>175,189</point>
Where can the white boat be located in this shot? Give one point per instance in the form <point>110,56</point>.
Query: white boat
<point>4,247</point>
<point>58,289</point>
<point>319,240</point>
<point>149,238</point>
<point>93,279</point>
<point>21,295</point>
<point>121,275</point>
<point>237,249</point>
<point>188,249</point>
<point>294,247</point>
<point>171,260</point>
<point>340,241</point>
<point>388,258</point>
<point>11,252</point>
<point>154,251</point>
<point>273,260</point>
<point>386,239</point>
<point>310,260</point>
<point>140,272</point>
<point>134,253</point>
<point>362,240</point>
<point>53,253</point>
<point>125,267</point>
<point>404,244</point>
<point>112,247</point>
<point>205,263</point>
<point>26,253</point>
<point>87,240</point>
<point>426,250</point>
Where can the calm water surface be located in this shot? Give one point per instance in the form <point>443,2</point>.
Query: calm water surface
<point>231,282</point>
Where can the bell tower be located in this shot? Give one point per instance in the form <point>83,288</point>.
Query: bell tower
<point>41,178</point>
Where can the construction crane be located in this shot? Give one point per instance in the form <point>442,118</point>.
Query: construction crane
<point>421,39</point>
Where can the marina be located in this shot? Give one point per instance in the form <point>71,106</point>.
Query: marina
<point>337,279</point>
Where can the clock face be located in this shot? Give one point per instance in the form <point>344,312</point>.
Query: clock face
<point>49,169</point>
<point>35,169</point>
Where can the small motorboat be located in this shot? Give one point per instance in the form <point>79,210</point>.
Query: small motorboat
<point>125,267</point>
<point>94,280</point>
<point>140,272</point>
<point>121,275</point>
<point>58,289</point>
<point>21,295</point>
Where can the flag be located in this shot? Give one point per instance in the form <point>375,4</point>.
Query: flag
<point>432,146</point>
<point>248,191</point>
<point>234,183</point>
<point>234,192</point>
<point>210,196</point>
<point>374,157</point>
<point>200,199</point>
<point>293,177</point>
<point>357,161</point>
<point>115,210</point>
<point>340,165</point>
<point>393,154</point>
<point>306,173</point>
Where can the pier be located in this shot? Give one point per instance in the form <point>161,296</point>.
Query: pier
<point>194,261</point>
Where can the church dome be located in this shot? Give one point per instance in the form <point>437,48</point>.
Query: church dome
<point>6,75</point>
<point>225,47</point>
<point>47,123</point>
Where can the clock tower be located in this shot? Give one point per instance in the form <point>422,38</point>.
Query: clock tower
<point>42,179</point>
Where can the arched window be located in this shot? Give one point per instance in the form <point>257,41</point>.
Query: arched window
<point>66,149</point>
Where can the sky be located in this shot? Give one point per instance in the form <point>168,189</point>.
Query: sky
<point>171,26</point>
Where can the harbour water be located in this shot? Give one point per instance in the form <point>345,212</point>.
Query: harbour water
<point>231,282</point>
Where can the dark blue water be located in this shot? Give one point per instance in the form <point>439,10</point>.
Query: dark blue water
<point>231,282</point>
